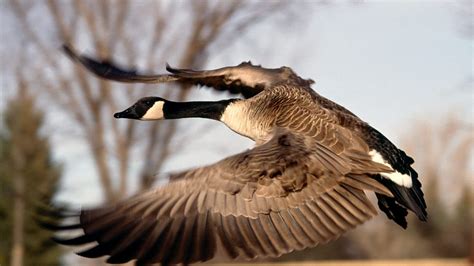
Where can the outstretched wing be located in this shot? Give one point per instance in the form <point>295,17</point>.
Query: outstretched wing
<point>268,201</point>
<point>245,79</point>
<point>108,70</point>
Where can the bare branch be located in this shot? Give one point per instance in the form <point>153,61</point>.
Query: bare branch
<point>29,32</point>
<point>110,26</point>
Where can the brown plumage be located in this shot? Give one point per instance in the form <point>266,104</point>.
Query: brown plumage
<point>302,185</point>
<point>271,200</point>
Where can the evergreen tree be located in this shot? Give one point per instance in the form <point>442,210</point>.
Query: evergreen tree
<point>28,176</point>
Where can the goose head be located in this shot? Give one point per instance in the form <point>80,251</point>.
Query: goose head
<point>147,108</point>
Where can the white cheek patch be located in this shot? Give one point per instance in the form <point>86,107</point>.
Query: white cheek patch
<point>398,178</point>
<point>155,112</point>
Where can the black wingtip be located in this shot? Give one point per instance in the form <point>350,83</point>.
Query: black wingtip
<point>170,68</point>
<point>69,51</point>
<point>393,210</point>
<point>246,63</point>
<point>94,252</point>
<point>54,226</point>
<point>49,216</point>
<point>55,212</point>
<point>411,198</point>
<point>80,240</point>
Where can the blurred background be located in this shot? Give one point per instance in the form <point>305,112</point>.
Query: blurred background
<point>403,66</point>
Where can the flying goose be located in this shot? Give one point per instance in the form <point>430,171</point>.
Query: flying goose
<point>303,184</point>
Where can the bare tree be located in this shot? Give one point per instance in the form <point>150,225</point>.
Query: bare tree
<point>145,33</point>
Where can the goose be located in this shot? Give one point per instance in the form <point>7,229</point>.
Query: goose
<point>303,184</point>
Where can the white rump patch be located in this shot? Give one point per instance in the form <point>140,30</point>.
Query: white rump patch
<point>155,112</point>
<point>398,178</point>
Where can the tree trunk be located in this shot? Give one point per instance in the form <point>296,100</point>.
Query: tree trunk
<point>17,252</point>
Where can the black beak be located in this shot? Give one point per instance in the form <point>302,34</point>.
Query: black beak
<point>128,113</point>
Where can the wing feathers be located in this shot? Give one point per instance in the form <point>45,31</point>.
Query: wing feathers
<point>83,239</point>
<point>191,203</point>
<point>253,211</point>
<point>166,247</point>
<point>285,232</point>
<point>312,237</point>
<point>237,238</point>
<point>316,223</point>
<point>179,206</point>
<point>333,215</point>
<point>220,203</point>
<point>226,238</point>
<point>262,238</point>
<point>129,247</point>
<point>323,217</point>
<point>96,252</point>
<point>347,210</point>
<point>187,235</point>
<point>210,198</point>
<point>182,244</point>
<point>362,182</point>
<point>361,201</point>
<point>246,79</point>
<point>108,70</point>
<point>201,200</point>
<point>231,204</point>
<point>168,206</point>
<point>248,234</point>
<point>340,213</point>
<point>295,228</point>
<point>153,242</point>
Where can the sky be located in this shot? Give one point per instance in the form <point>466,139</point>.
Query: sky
<point>389,62</point>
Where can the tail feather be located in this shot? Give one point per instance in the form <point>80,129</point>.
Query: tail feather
<point>393,210</point>
<point>404,197</point>
<point>410,198</point>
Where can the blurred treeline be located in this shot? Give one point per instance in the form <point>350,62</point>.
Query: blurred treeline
<point>147,34</point>
<point>28,179</point>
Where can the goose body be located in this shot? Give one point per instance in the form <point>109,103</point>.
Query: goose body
<point>301,185</point>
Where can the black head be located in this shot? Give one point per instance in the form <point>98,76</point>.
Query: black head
<point>147,108</point>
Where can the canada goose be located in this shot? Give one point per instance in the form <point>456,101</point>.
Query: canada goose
<point>301,185</point>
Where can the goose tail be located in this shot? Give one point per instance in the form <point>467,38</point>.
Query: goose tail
<point>411,198</point>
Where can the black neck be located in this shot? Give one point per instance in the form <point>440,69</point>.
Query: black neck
<point>210,110</point>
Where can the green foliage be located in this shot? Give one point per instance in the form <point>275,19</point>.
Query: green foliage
<point>25,154</point>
